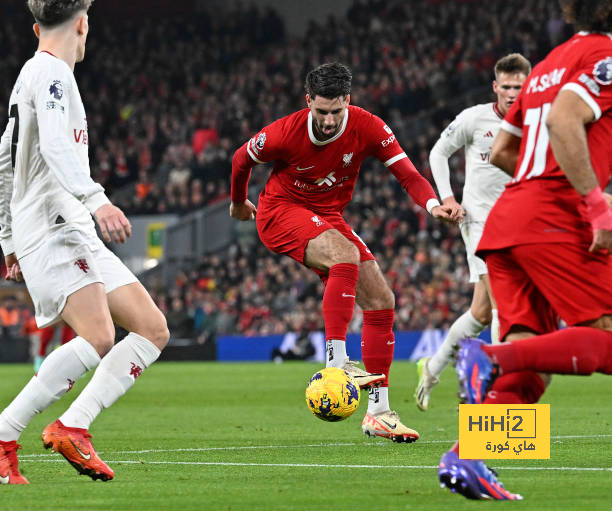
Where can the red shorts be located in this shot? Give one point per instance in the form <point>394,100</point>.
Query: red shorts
<point>536,284</point>
<point>287,228</point>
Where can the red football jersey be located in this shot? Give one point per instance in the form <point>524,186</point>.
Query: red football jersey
<point>540,205</point>
<point>321,174</point>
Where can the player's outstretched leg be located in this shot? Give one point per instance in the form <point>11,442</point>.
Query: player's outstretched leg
<point>475,371</point>
<point>430,369</point>
<point>75,445</point>
<point>9,465</point>
<point>472,479</point>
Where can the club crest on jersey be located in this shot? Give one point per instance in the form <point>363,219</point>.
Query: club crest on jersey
<point>602,72</point>
<point>56,89</point>
<point>81,264</point>
<point>346,159</point>
<point>317,221</point>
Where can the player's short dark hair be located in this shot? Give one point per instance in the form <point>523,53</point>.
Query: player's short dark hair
<point>330,81</point>
<point>50,13</point>
<point>512,64</point>
<point>589,15</point>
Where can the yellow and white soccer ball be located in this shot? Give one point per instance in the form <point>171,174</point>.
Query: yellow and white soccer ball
<point>332,394</point>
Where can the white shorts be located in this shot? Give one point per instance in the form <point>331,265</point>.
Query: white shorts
<point>68,261</point>
<point>472,232</point>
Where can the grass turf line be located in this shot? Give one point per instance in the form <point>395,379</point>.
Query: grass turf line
<point>220,407</point>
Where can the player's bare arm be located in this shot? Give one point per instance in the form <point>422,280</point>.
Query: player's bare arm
<point>505,150</point>
<point>566,123</point>
<point>243,210</point>
<point>113,223</point>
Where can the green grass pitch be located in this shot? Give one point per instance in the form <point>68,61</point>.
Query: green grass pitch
<point>239,436</point>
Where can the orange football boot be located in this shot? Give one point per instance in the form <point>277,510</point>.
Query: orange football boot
<point>74,444</point>
<point>9,470</point>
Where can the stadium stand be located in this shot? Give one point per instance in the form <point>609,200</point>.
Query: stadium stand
<point>165,117</point>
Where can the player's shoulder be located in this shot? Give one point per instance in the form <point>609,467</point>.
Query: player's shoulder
<point>360,115</point>
<point>477,111</point>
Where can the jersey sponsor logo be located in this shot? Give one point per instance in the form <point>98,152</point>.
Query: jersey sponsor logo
<point>52,105</point>
<point>387,129</point>
<point>542,82</point>
<point>135,370</point>
<point>56,89</point>
<point>301,169</point>
<point>317,221</point>
<point>602,72</point>
<point>388,141</point>
<point>346,159</point>
<point>590,83</point>
<point>328,180</point>
<point>80,136</point>
<point>82,265</point>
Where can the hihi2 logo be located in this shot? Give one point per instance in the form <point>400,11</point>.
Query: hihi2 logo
<point>504,431</point>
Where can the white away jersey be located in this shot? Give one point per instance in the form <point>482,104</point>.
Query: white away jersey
<point>45,179</point>
<point>475,129</point>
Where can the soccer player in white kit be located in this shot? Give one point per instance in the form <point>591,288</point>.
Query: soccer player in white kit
<point>474,129</point>
<point>49,240</point>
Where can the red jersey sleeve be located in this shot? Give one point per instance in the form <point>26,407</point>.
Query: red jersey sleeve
<point>592,80</point>
<point>387,149</point>
<point>513,120</point>
<point>384,146</point>
<point>263,147</point>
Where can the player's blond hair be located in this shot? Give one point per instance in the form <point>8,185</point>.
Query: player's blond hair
<point>589,15</point>
<point>50,13</point>
<point>512,64</point>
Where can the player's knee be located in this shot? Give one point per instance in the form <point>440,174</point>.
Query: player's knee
<point>481,314</point>
<point>347,253</point>
<point>103,339</point>
<point>384,299</point>
<point>156,330</point>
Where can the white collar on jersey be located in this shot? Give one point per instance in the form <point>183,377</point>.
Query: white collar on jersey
<point>314,140</point>
<point>584,32</point>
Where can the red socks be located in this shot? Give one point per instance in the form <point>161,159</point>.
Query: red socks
<point>576,350</point>
<point>523,387</point>
<point>339,299</point>
<point>378,342</point>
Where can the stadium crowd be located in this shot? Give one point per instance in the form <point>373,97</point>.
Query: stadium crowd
<point>165,117</point>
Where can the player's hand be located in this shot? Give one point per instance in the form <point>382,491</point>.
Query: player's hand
<point>457,213</point>
<point>602,241</point>
<point>243,210</point>
<point>113,223</point>
<point>443,213</point>
<point>13,270</point>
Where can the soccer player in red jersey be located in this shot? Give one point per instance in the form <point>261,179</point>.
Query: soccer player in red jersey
<point>317,153</point>
<point>548,239</point>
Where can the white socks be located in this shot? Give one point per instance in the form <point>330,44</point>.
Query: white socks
<point>335,353</point>
<point>494,327</point>
<point>113,378</point>
<point>378,400</point>
<point>464,326</point>
<point>57,374</point>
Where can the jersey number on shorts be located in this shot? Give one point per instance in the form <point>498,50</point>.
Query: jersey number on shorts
<point>537,142</point>
<point>14,113</point>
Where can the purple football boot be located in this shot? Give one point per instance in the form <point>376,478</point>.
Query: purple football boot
<point>475,371</point>
<point>472,479</point>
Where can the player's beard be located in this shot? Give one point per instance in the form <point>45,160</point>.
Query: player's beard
<point>322,135</point>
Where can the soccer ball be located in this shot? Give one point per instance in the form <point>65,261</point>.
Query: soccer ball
<point>332,394</point>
